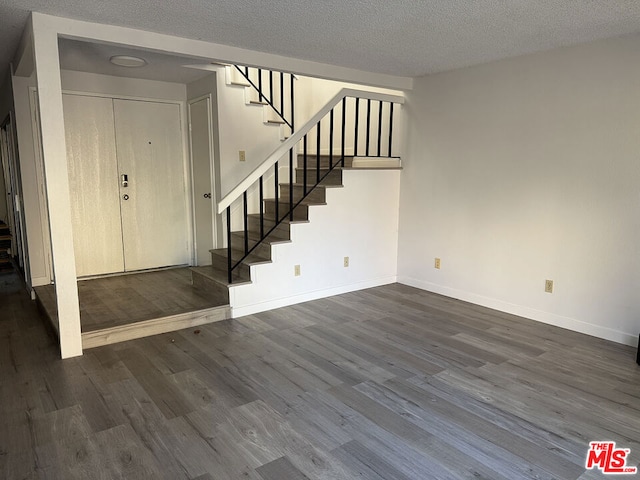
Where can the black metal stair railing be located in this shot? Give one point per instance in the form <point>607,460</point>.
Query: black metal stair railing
<point>276,89</point>
<point>339,136</point>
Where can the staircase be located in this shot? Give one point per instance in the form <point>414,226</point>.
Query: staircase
<point>5,248</point>
<point>263,208</point>
<point>217,275</point>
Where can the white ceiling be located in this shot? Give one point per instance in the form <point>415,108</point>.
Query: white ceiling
<point>94,57</point>
<point>401,37</point>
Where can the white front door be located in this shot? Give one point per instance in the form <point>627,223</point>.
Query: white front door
<point>153,204</point>
<point>142,225</point>
<point>93,184</point>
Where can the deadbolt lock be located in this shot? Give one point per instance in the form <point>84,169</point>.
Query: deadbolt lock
<point>125,197</point>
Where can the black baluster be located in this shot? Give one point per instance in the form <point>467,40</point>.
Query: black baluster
<point>260,84</point>
<point>271,99</point>
<point>379,126</point>
<point>304,165</point>
<point>331,139</point>
<point>368,125</point>
<point>261,208</point>
<point>318,153</point>
<point>291,185</point>
<point>229,243</point>
<point>292,104</point>
<point>275,176</point>
<point>355,141</point>
<point>390,125</point>
<point>344,126</point>
<point>246,227</point>
<point>282,94</point>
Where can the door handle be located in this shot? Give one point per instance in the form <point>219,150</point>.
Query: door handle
<point>207,195</point>
<point>124,178</point>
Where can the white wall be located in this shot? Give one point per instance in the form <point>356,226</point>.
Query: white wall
<point>241,127</point>
<point>359,221</point>
<point>524,170</point>
<point>83,82</point>
<point>313,93</point>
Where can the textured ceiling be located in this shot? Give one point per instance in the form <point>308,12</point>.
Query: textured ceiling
<point>401,37</point>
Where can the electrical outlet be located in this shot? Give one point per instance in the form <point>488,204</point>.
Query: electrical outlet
<point>436,264</point>
<point>243,155</point>
<point>346,261</point>
<point>296,270</point>
<point>548,286</point>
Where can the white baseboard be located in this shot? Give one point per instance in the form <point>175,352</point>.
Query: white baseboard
<point>305,297</point>
<point>527,312</point>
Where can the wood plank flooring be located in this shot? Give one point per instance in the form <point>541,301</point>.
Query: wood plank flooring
<point>386,383</point>
<point>125,299</point>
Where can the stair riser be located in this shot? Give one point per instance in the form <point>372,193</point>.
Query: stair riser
<point>206,284</point>
<point>282,231</point>
<point>273,237</point>
<point>333,178</point>
<point>237,246</point>
<point>318,194</point>
<point>301,212</point>
<point>240,273</point>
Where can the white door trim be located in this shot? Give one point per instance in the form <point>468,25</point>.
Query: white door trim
<point>187,176</point>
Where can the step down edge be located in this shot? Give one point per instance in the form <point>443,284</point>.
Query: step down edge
<point>155,326</point>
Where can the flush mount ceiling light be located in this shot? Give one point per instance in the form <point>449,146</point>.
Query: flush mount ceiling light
<point>128,61</point>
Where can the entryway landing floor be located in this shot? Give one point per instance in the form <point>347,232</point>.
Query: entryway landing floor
<point>115,308</point>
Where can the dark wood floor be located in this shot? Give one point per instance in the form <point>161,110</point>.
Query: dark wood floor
<point>124,299</point>
<point>386,383</point>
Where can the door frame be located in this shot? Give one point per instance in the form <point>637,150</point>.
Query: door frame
<point>212,172</point>
<point>42,191</point>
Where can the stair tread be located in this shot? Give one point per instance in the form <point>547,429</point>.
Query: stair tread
<point>252,258</point>
<point>239,83</point>
<point>322,168</point>
<point>285,201</point>
<point>218,276</point>
<point>325,155</point>
<point>372,168</point>
<point>321,185</point>
<point>267,219</point>
<point>270,239</point>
